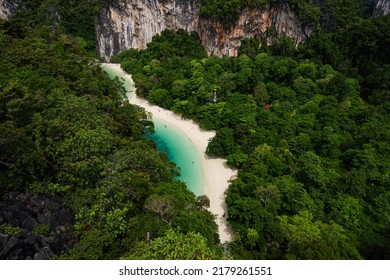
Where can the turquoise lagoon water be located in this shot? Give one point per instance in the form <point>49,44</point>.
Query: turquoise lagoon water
<point>182,152</point>
<point>177,146</point>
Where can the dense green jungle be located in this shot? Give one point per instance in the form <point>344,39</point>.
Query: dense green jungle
<point>307,126</point>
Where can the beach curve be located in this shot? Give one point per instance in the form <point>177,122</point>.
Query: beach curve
<point>216,172</point>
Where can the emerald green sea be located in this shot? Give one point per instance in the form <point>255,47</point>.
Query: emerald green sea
<point>177,146</point>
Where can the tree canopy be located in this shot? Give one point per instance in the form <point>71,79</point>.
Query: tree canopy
<point>310,139</point>
<point>67,131</point>
<point>307,127</point>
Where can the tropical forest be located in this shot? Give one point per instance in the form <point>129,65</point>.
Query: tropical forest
<point>306,126</point>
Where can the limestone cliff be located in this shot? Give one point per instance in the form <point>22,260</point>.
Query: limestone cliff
<point>132,24</point>
<point>381,8</point>
<point>269,23</point>
<point>8,8</point>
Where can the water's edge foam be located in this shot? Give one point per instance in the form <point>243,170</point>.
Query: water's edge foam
<point>177,146</point>
<point>217,175</point>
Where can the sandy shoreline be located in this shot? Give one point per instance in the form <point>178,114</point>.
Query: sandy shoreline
<point>216,172</point>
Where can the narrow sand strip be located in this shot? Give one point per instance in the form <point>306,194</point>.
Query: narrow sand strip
<point>216,172</point>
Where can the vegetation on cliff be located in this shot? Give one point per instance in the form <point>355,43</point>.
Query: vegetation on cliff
<point>76,18</point>
<point>229,11</point>
<point>66,131</point>
<point>308,130</point>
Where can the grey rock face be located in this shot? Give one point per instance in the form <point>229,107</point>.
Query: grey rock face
<point>381,8</point>
<point>29,223</point>
<point>132,24</point>
<point>31,214</point>
<point>7,245</point>
<point>219,40</point>
<point>8,8</point>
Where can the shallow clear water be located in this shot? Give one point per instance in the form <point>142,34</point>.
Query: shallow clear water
<point>178,147</point>
<point>181,151</point>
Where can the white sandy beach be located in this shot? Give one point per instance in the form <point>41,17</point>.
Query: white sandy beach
<point>216,173</point>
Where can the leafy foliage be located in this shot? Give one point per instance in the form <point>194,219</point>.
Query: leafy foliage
<point>176,246</point>
<point>66,129</point>
<point>72,17</point>
<point>298,129</point>
<point>308,129</point>
<point>228,11</point>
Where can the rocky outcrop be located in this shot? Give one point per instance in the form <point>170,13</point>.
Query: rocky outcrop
<point>41,227</point>
<point>269,24</point>
<point>8,8</point>
<point>132,24</point>
<point>381,8</point>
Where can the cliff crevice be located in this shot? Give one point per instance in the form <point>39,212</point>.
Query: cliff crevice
<point>8,8</point>
<point>269,23</point>
<point>132,24</point>
<point>381,8</point>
